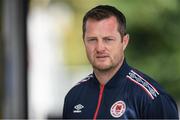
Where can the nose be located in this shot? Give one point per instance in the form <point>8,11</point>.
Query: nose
<point>100,46</point>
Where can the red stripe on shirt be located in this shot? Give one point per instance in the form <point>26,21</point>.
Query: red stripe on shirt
<point>99,102</point>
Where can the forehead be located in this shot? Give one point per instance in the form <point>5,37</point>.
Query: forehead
<point>109,23</point>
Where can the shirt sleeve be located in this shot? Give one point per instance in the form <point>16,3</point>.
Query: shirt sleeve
<point>162,107</point>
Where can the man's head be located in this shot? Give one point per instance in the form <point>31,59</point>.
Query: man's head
<point>103,12</point>
<point>104,38</point>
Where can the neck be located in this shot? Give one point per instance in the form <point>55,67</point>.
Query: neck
<point>103,76</point>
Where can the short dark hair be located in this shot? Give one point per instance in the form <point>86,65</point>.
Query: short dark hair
<point>105,11</point>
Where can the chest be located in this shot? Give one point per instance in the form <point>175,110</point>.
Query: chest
<point>105,103</point>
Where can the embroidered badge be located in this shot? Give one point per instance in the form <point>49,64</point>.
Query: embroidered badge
<point>118,109</point>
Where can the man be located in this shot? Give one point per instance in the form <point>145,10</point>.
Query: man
<point>114,89</point>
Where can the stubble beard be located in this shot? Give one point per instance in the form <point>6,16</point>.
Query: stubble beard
<point>104,67</point>
<point>109,67</point>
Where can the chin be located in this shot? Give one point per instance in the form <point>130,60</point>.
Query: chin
<point>103,67</point>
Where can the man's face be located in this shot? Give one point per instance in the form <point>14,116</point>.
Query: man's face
<point>104,44</point>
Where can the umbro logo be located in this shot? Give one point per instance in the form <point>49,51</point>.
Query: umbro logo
<point>78,108</point>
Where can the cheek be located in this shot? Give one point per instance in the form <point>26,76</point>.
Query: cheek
<point>89,51</point>
<point>117,51</point>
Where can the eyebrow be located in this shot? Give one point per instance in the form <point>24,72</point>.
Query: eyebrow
<point>89,38</point>
<point>103,37</point>
<point>108,37</point>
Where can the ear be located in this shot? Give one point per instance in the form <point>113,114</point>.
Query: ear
<point>125,41</point>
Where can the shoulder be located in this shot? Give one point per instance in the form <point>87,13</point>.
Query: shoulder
<point>158,103</point>
<point>75,94</point>
<point>144,84</point>
<point>81,85</point>
<point>153,99</point>
<point>85,80</point>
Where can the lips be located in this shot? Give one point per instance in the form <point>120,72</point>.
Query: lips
<point>102,57</point>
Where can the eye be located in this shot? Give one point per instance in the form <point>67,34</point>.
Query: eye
<point>91,40</point>
<point>109,39</point>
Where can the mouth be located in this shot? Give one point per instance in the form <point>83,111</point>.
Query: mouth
<point>102,57</point>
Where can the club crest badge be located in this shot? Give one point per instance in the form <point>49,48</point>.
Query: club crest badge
<point>118,109</point>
